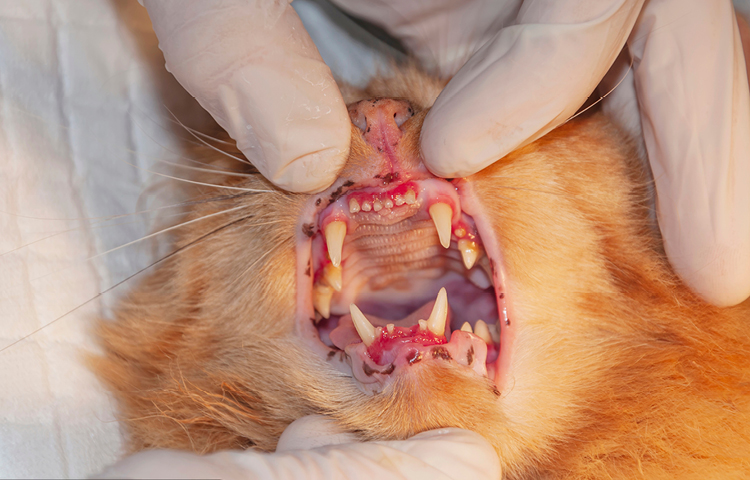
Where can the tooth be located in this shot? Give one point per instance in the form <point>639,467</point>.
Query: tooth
<point>441,214</point>
<point>479,278</point>
<point>469,252</point>
<point>422,324</point>
<point>335,233</point>
<point>332,275</point>
<point>481,331</point>
<point>353,205</point>
<point>399,200</point>
<point>388,203</point>
<point>410,197</point>
<point>364,328</point>
<point>322,299</point>
<point>390,328</point>
<point>460,232</point>
<point>436,322</point>
<point>377,205</point>
<point>366,206</point>
<point>466,327</point>
<point>494,332</point>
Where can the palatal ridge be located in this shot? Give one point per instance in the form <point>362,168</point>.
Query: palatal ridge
<point>335,234</point>
<point>435,323</point>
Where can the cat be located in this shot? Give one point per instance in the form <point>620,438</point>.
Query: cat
<point>592,359</point>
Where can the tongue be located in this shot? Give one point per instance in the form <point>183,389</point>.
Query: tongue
<point>345,334</point>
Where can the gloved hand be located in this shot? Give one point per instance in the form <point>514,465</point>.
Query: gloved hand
<point>254,68</point>
<point>265,83</point>
<point>314,448</point>
<point>688,90</point>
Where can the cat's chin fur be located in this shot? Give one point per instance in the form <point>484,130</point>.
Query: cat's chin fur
<point>618,371</point>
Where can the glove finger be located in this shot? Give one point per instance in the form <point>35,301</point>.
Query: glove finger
<point>254,68</point>
<point>530,78</point>
<point>692,88</point>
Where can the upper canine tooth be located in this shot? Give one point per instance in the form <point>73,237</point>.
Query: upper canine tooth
<point>466,327</point>
<point>353,205</point>
<point>365,329</point>
<point>439,315</point>
<point>332,275</point>
<point>322,299</point>
<point>335,233</point>
<point>442,214</point>
<point>469,252</point>
<point>481,331</point>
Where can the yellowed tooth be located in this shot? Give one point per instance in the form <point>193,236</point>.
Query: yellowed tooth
<point>353,205</point>
<point>390,327</point>
<point>439,315</point>
<point>466,327</point>
<point>442,214</point>
<point>469,252</point>
<point>322,299</point>
<point>335,234</point>
<point>365,329</point>
<point>410,197</point>
<point>332,275</point>
<point>494,329</point>
<point>377,205</point>
<point>481,331</point>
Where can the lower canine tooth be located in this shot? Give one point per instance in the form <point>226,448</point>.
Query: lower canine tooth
<point>469,252</point>
<point>481,331</point>
<point>332,276</point>
<point>442,215</point>
<point>439,315</point>
<point>364,328</point>
<point>335,233</point>
<point>322,299</point>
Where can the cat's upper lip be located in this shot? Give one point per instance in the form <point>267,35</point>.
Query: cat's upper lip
<point>388,248</point>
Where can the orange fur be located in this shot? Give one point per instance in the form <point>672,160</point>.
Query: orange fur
<point>618,370</point>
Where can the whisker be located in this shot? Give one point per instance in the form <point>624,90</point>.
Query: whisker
<point>199,169</point>
<point>624,76</point>
<point>112,217</point>
<point>205,142</point>
<point>174,227</point>
<point>197,183</point>
<point>175,252</point>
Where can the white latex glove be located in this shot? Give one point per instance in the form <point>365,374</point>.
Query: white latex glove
<point>690,93</point>
<point>254,68</point>
<point>313,448</point>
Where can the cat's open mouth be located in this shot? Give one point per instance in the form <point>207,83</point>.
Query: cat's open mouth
<point>396,276</point>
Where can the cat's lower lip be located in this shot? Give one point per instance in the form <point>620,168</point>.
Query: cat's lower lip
<point>386,249</point>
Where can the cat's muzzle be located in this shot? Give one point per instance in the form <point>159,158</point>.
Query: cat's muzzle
<point>395,277</point>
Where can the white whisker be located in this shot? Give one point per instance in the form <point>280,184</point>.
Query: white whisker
<point>205,142</point>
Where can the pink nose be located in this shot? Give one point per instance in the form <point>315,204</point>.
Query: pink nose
<point>380,118</point>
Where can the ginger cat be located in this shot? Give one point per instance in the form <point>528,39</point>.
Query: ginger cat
<point>566,339</point>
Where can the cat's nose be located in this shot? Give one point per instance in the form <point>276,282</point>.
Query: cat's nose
<point>380,117</point>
